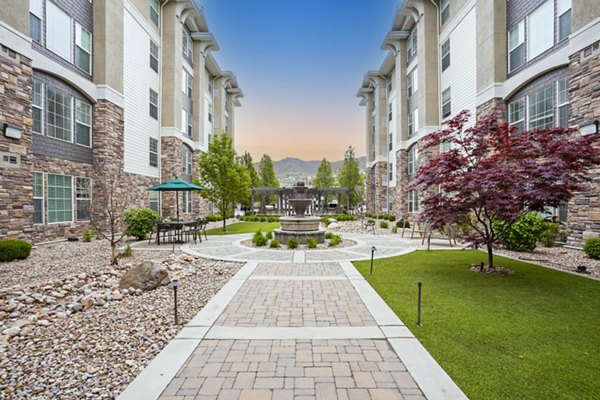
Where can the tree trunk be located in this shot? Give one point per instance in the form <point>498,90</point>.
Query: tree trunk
<point>490,252</point>
<point>113,260</point>
<point>224,223</point>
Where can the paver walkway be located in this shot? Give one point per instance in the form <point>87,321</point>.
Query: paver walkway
<point>294,331</point>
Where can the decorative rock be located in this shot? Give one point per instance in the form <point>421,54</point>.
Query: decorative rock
<point>10,332</point>
<point>75,307</point>
<point>43,322</point>
<point>146,276</point>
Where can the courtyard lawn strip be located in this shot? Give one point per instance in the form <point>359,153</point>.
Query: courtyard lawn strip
<point>244,227</point>
<point>531,335</point>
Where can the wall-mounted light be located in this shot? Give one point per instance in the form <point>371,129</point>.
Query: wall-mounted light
<point>11,131</point>
<point>589,127</point>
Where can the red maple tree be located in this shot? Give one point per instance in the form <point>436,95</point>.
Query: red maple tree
<point>492,173</point>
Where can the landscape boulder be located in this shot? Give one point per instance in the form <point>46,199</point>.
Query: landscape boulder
<point>145,276</point>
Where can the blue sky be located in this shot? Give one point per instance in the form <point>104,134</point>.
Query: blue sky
<point>300,64</point>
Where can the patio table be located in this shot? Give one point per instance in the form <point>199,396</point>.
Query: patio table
<point>176,225</point>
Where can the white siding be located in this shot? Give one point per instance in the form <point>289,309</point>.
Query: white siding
<point>461,76</point>
<point>138,78</point>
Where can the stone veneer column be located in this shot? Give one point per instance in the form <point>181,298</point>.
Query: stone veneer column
<point>584,208</point>
<point>400,194</point>
<point>375,185</point>
<point>495,104</point>
<point>16,185</point>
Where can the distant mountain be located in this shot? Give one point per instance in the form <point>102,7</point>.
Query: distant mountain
<point>294,166</point>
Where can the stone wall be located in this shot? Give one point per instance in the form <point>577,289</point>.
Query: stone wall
<point>400,193</point>
<point>584,91</point>
<point>16,183</point>
<point>495,104</point>
<point>376,193</point>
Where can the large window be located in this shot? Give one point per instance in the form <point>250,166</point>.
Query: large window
<point>59,114</point>
<point>446,103</point>
<point>154,11</point>
<point>444,10</point>
<point>188,51</point>
<point>540,30</point>
<point>84,198</point>
<point>446,54</point>
<point>153,152</point>
<point>411,44</point>
<point>83,49</point>
<point>153,56</point>
<point>540,110</point>
<point>413,201</point>
<point>187,161</point>
<point>412,161</point>
<point>562,102</point>
<point>516,46</point>
<point>58,31</point>
<point>38,198</point>
<point>83,123</point>
<point>564,18</point>
<point>413,82</point>
<point>153,104</point>
<point>516,114</point>
<point>60,198</point>
<point>38,106</point>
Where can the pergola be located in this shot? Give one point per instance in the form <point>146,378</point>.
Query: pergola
<point>318,196</point>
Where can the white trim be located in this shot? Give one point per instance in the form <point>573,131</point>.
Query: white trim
<point>584,37</point>
<point>171,131</point>
<point>15,40</point>
<point>43,63</point>
<point>105,92</point>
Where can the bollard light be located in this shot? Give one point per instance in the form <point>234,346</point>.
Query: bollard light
<point>420,284</point>
<point>373,250</point>
<point>175,283</point>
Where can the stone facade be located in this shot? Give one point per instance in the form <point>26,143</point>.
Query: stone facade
<point>495,104</point>
<point>376,194</point>
<point>16,184</point>
<point>584,91</point>
<point>400,193</point>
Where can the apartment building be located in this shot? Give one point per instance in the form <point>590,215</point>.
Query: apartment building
<point>94,89</point>
<point>536,60</point>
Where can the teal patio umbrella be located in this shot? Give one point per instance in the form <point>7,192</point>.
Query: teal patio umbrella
<point>176,185</point>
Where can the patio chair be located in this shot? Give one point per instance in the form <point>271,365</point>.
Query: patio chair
<point>166,229</point>
<point>197,229</point>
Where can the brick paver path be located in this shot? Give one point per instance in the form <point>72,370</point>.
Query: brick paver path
<point>303,297</point>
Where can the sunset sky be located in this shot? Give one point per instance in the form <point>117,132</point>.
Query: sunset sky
<point>300,64</point>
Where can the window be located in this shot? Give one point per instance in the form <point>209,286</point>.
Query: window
<point>153,56</point>
<point>411,44</point>
<point>189,124</point>
<point>83,195</point>
<point>540,110</point>
<point>540,30</point>
<point>516,114</point>
<point>446,54</point>
<point>83,123</point>
<point>154,11</point>
<point>36,14</point>
<point>187,83</point>
<point>153,104</point>
<point>153,151</point>
<point>562,102</point>
<point>413,123</point>
<point>58,31</point>
<point>413,201</point>
<point>38,106</point>
<point>38,198</point>
<point>412,164</point>
<point>60,198</point>
<point>154,201</point>
<point>391,142</point>
<point>210,112</point>
<point>413,82</point>
<point>59,114</point>
<point>445,10</point>
<point>390,114</point>
<point>187,161</point>
<point>446,103</point>
<point>390,86</point>
<point>564,18</point>
<point>226,124</point>
<point>516,46</point>
<point>390,171</point>
<point>187,201</point>
<point>211,86</point>
<point>187,45</point>
<point>83,49</point>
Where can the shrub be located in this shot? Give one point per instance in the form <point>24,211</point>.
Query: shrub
<point>335,240</point>
<point>402,224</point>
<point>312,243</point>
<point>391,218</point>
<point>292,243</point>
<point>140,222</point>
<point>383,224</point>
<point>524,233</point>
<point>88,234</point>
<point>273,219</point>
<point>269,235</point>
<point>274,244</point>
<point>394,229</point>
<point>259,239</point>
<point>328,235</point>
<point>550,234</point>
<point>371,221</point>
<point>264,219</point>
<point>592,248</point>
<point>14,250</point>
<point>127,252</point>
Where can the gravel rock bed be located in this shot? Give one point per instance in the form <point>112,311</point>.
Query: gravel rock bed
<point>561,258</point>
<point>68,332</point>
<point>359,227</point>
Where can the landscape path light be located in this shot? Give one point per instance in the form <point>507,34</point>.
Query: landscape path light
<point>175,283</point>
<point>373,250</point>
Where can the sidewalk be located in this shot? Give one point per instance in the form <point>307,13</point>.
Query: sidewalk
<point>294,331</point>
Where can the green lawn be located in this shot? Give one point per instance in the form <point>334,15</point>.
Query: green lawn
<point>531,335</point>
<point>244,227</point>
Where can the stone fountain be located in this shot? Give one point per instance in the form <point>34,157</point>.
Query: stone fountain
<point>300,226</point>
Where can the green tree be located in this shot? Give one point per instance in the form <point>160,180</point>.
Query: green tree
<point>350,176</point>
<point>324,178</point>
<point>266,174</point>
<point>246,160</point>
<point>227,181</point>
